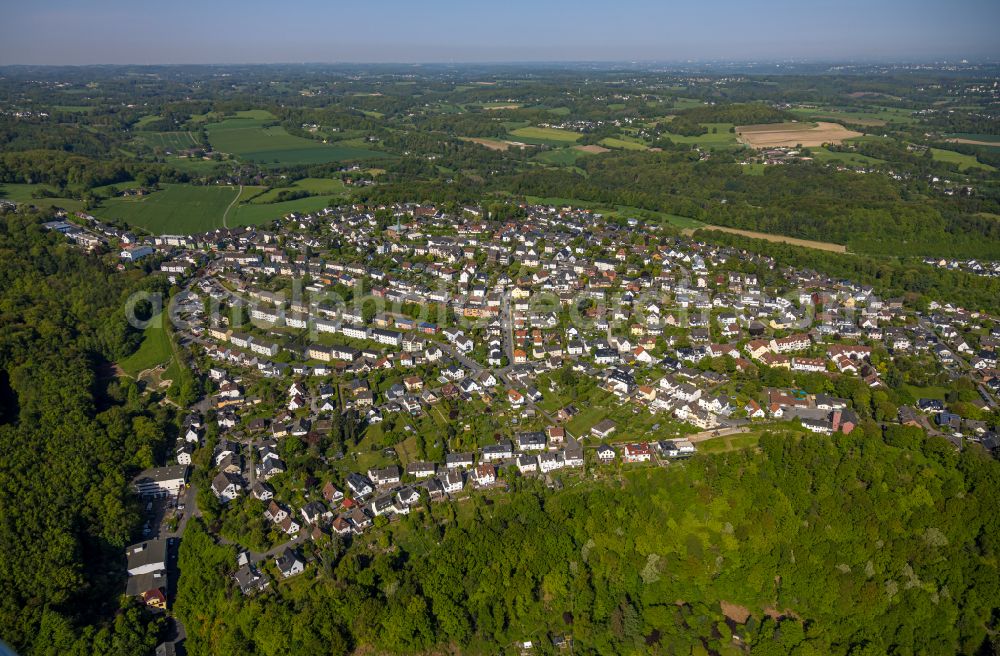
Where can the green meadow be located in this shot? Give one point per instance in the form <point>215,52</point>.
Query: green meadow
<point>166,140</point>
<point>560,156</point>
<point>312,185</point>
<point>623,143</point>
<point>718,136</point>
<point>176,209</point>
<point>550,136</point>
<point>154,350</point>
<point>855,159</point>
<point>250,138</point>
<point>22,193</point>
<point>964,162</point>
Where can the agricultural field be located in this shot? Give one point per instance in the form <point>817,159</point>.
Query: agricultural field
<point>166,140</point>
<point>592,149</point>
<point>624,144</point>
<point>176,209</point>
<point>550,136</point>
<point>794,134</point>
<point>717,137</point>
<point>964,162</point>
<point>991,140</point>
<point>193,165</point>
<point>312,185</point>
<point>249,138</point>
<point>868,116</point>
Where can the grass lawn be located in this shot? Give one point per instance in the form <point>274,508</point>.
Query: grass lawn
<point>581,424</point>
<point>176,209</point>
<point>551,136</point>
<point>247,138</point>
<point>964,162</point>
<point>154,350</point>
<point>926,392</point>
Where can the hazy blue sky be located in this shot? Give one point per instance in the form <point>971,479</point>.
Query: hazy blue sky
<point>248,31</point>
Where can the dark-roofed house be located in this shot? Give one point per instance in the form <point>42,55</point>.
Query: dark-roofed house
<point>289,563</point>
<point>145,557</point>
<point>250,579</point>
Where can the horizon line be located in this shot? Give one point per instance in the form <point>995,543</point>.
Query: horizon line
<point>771,61</point>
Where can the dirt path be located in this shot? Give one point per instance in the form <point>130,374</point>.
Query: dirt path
<point>974,142</point>
<point>226,213</point>
<point>794,241</point>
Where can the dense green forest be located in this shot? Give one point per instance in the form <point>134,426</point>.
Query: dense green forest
<point>688,122</point>
<point>69,441</point>
<point>870,214</point>
<point>866,544</point>
<point>918,283</point>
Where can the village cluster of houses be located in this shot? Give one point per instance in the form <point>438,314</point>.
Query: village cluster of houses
<point>635,322</point>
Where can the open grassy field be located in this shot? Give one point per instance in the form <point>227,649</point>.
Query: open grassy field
<point>195,166</point>
<point>771,135</point>
<point>312,185</point>
<point>869,116</point>
<point>561,156</point>
<point>625,144</point>
<point>856,159</point>
<point>154,350</point>
<point>166,140</point>
<point>248,138</point>
<point>964,162</point>
<point>21,193</point>
<point>176,209</point>
<point>717,137</point>
<point>551,136</point>
<point>146,120</point>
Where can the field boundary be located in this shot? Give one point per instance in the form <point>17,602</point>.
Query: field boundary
<point>794,241</point>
